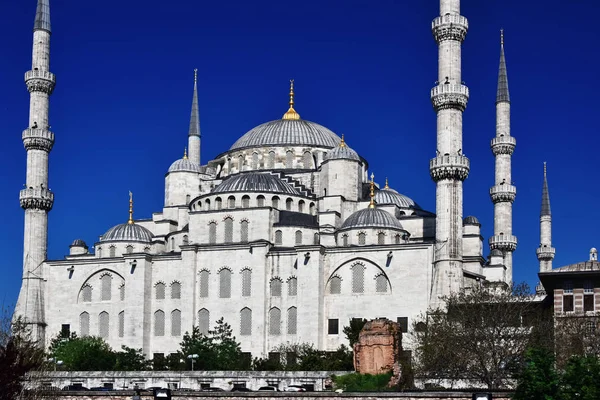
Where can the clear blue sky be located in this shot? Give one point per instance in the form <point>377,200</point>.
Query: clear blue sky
<point>121,107</point>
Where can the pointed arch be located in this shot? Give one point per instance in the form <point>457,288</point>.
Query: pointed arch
<point>292,320</point>
<point>245,322</point>
<point>225,283</point>
<point>204,321</point>
<point>103,325</point>
<point>176,323</point>
<point>84,324</point>
<point>274,321</point>
<point>159,323</point>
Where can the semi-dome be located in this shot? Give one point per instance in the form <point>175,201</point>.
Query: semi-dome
<point>390,196</point>
<point>371,218</point>
<point>78,243</point>
<point>471,220</point>
<point>255,182</point>
<point>127,232</point>
<point>342,152</point>
<point>184,165</point>
<point>496,253</point>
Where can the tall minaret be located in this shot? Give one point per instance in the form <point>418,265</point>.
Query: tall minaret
<point>450,167</point>
<point>503,193</point>
<point>194,133</point>
<point>36,198</point>
<point>545,253</point>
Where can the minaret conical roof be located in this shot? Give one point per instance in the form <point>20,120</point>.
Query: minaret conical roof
<point>545,196</point>
<point>195,116</point>
<point>42,16</point>
<point>502,94</point>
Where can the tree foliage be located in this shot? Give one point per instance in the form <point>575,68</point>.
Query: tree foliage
<point>363,382</point>
<point>305,357</point>
<point>538,379</point>
<point>353,330</point>
<point>576,335</point>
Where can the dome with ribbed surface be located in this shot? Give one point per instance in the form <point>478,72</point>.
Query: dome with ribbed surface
<point>371,218</point>
<point>496,253</point>
<point>342,152</point>
<point>255,182</point>
<point>390,196</point>
<point>127,233</point>
<point>471,220</point>
<point>288,132</point>
<point>78,243</point>
<point>184,165</point>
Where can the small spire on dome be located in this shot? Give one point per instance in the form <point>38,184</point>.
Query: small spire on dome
<point>387,186</point>
<point>130,222</point>
<point>185,157</point>
<point>372,194</point>
<point>291,114</point>
<point>343,143</point>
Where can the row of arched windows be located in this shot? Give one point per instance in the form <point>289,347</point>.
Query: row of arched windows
<point>105,290</point>
<point>361,239</point>
<point>228,231</point>
<point>225,284</point>
<point>160,289</point>
<point>358,282</point>
<point>112,250</point>
<point>275,321</point>
<point>159,323</point>
<point>298,238</point>
<point>260,201</point>
<point>269,161</point>
<point>103,324</point>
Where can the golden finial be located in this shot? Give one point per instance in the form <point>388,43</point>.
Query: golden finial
<point>185,153</point>
<point>291,113</point>
<point>130,208</point>
<point>386,183</point>
<point>342,143</point>
<point>501,37</point>
<point>372,194</point>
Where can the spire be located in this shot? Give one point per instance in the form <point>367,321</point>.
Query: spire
<point>343,142</point>
<point>387,186</point>
<point>194,118</point>
<point>185,157</point>
<point>42,16</point>
<point>372,194</point>
<point>545,196</point>
<point>130,222</point>
<point>502,93</point>
<point>291,113</point>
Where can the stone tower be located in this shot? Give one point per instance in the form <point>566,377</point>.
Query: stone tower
<point>450,167</point>
<point>194,133</point>
<point>36,199</point>
<point>503,192</point>
<point>545,253</point>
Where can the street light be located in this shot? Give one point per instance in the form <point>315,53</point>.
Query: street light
<point>193,358</point>
<point>55,361</point>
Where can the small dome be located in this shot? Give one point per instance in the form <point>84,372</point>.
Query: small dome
<point>496,253</point>
<point>593,250</point>
<point>78,243</point>
<point>342,152</point>
<point>184,165</point>
<point>371,218</point>
<point>255,182</point>
<point>127,233</point>
<point>390,196</point>
<point>471,220</point>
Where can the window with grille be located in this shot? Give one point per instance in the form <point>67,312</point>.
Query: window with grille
<point>301,206</point>
<point>106,286</point>
<point>246,322</point>
<point>288,204</point>
<point>276,287</point>
<point>204,283</point>
<point>397,239</point>
<point>129,249</point>
<point>274,321</point>
<point>358,278</point>
<point>103,325</point>
<point>292,287</point>
<point>298,238</point>
<point>212,233</point>
<point>362,238</point>
<point>278,237</point>
<point>403,323</point>
<point>112,251</point>
<point>176,290</point>
<point>289,159</point>
<point>86,294</point>
<point>231,202</point>
<point>568,287</point>
<point>122,292</point>
<point>381,284</point>
<point>175,323</point>
<point>245,201</point>
<point>275,202</point>
<point>345,240</point>
<point>306,160</point>
<point>225,283</point>
<point>335,285</point>
<point>588,302</point>
<point>568,302</point>
<point>99,252</point>
<point>254,160</point>
<point>316,238</point>
<point>84,324</point>
<point>381,238</point>
<point>204,321</point>
<point>218,203</point>
<point>588,287</point>
<point>159,323</point>
<point>292,318</point>
<point>244,231</point>
<point>246,283</point>
<point>260,201</point>
<point>122,324</point>
<point>160,291</point>
<point>333,327</point>
<point>271,162</point>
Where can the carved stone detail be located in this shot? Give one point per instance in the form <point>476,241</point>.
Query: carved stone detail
<point>40,81</point>
<point>449,96</point>
<point>36,198</point>
<point>38,139</point>
<point>503,145</point>
<point>449,27</point>
<point>503,193</point>
<point>503,242</point>
<point>449,167</point>
<point>545,253</point>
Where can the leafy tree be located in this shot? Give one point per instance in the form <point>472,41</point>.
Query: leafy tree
<point>363,382</point>
<point>581,379</point>
<point>87,353</point>
<point>538,380</point>
<point>129,359</point>
<point>353,330</point>
<point>305,357</point>
<point>228,351</point>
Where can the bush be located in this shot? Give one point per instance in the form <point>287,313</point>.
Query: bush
<point>363,382</point>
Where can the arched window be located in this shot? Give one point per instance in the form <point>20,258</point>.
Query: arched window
<point>225,283</point>
<point>292,287</point>
<point>278,237</point>
<point>240,163</point>
<point>175,323</point>
<point>358,278</point>
<point>289,159</point>
<point>271,162</point>
<point>147,249</point>
<point>288,204</point>
<point>176,290</point>
<point>172,244</point>
<point>275,321</point>
<point>316,238</point>
<point>275,202</point>
<point>122,324</point>
<point>335,285</point>
<point>312,209</point>
<point>129,249</point>
<point>186,240</point>
<point>244,231</point>
<point>301,206</point>
<point>112,251</point>
<point>381,238</point>
<point>292,317</point>
<point>187,199</point>
<point>106,286</point>
<point>218,203</point>
<point>381,284</point>
<point>229,165</point>
<point>260,201</point>
<point>307,160</point>
<point>298,237</point>
<point>204,283</point>
<point>246,202</point>
<point>86,294</point>
<point>345,240</point>
<point>84,324</point>
<point>204,321</point>
<point>122,292</point>
<point>103,325</point>
<point>397,239</point>
<point>160,291</point>
<point>255,160</point>
<point>246,283</point>
<point>99,252</point>
<point>275,287</point>
<point>212,232</point>
<point>246,322</point>
<point>231,202</point>
<point>228,222</point>
<point>207,202</point>
<point>362,238</point>
<point>159,323</point>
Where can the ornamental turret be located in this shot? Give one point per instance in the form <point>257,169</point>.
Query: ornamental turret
<point>36,199</point>
<point>545,253</point>
<point>194,136</point>
<point>503,192</point>
<point>450,167</point>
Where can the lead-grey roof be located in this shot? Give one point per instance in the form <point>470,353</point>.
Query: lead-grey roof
<point>284,132</point>
<point>127,233</point>
<point>471,220</point>
<point>78,243</point>
<point>579,267</point>
<point>195,115</point>
<point>371,218</point>
<point>42,16</point>
<point>342,152</point>
<point>184,165</point>
<point>502,94</point>
<point>545,196</point>
<point>255,182</point>
<point>390,196</point>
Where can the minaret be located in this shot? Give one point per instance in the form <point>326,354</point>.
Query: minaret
<point>545,253</point>
<point>503,193</point>
<point>450,167</point>
<point>194,133</point>
<point>36,199</point>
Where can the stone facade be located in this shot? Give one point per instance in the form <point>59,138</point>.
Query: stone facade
<point>378,348</point>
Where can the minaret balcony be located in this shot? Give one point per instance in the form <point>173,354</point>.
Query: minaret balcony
<point>503,242</point>
<point>449,167</point>
<point>36,198</point>
<point>503,145</point>
<point>38,139</point>
<point>503,193</point>
<point>40,81</point>
<point>545,253</point>
<point>449,27</point>
<point>449,96</point>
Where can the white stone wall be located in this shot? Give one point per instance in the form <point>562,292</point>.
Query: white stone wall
<point>181,187</point>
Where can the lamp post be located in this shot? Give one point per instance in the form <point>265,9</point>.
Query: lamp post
<point>55,361</point>
<point>193,358</point>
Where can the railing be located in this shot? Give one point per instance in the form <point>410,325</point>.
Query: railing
<point>450,88</point>
<point>36,193</point>
<point>504,188</point>
<point>37,74</point>
<point>450,19</point>
<point>450,161</point>
<point>503,242</point>
<point>545,252</point>
<point>504,140</point>
<point>37,133</point>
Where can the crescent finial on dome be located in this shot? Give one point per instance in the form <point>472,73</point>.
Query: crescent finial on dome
<point>372,194</point>
<point>343,142</point>
<point>130,221</point>
<point>387,186</point>
<point>185,157</point>
<point>291,114</point>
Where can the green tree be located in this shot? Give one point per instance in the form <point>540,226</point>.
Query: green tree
<point>538,380</point>
<point>581,379</point>
<point>228,351</point>
<point>353,330</point>
<point>363,382</point>
<point>87,353</point>
<point>305,357</point>
<point>129,359</point>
